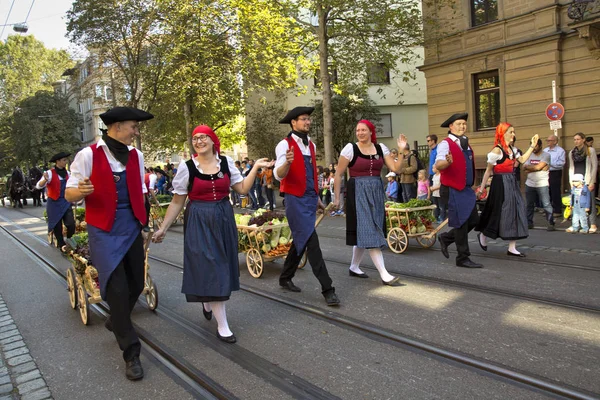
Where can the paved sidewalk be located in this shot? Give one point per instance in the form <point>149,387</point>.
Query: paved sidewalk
<point>20,377</point>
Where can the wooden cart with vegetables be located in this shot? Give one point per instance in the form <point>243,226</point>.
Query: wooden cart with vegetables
<point>82,278</point>
<point>266,236</point>
<point>158,212</point>
<point>410,220</point>
<point>80,225</point>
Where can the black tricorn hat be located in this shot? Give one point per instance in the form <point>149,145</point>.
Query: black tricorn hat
<point>453,118</point>
<point>58,156</point>
<point>119,114</point>
<point>295,113</point>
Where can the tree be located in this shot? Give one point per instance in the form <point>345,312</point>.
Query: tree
<point>42,126</point>
<point>349,35</point>
<point>346,110</point>
<point>263,129</point>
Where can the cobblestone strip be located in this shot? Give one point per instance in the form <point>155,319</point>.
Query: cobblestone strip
<point>20,378</point>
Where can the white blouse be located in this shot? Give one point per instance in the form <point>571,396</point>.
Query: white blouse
<point>348,151</point>
<point>181,179</point>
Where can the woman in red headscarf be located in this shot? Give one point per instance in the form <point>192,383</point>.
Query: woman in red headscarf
<point>210,268</point>
<point>365,202</point>
<point>504,215</point>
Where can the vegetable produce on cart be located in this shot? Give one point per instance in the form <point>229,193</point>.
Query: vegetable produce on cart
<point>412,219</point>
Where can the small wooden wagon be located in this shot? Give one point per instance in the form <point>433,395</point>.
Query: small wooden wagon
<point>404,223</point>
<point>84,288</point>
<point>157,215</point>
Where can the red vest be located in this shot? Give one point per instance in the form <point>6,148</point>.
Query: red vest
<point>147,180</point>
<point>295,181</point>
<point>455,176</point>
<point>54,185</point>
<point>101,205</point>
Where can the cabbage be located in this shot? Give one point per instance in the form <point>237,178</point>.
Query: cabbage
<point>286,231</point>
<point>266,248</point>
<point>274,243</point>
<point>283,240</point>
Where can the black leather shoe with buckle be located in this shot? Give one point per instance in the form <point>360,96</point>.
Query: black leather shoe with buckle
<point>134,370</point>
<point>289,285</point>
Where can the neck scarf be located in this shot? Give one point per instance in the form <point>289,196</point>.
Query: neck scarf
<point>464,142</point>
<point>62,172</point>
<point>302,136</point>
<point>119,150</point>
<point>578,155</point>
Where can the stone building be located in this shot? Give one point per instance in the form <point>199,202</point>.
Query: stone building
<point>496,59</point>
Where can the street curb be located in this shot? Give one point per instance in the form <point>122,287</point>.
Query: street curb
<point>20,378</point>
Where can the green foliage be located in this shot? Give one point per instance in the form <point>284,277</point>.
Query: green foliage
<point>263,130</point>
<point>42,126</point>
<point>347,110</point>
<point>164,198</point>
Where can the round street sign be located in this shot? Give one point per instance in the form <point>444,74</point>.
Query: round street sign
<point>555,111</point>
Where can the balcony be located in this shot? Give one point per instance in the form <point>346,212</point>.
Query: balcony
<point>586,19</point>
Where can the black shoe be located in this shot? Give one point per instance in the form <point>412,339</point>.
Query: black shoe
<point>394,282</point>
<point>227,339</point>
<point>551,228</point>
<point>289,285</point>
<point>468,264</point>
<point>108,324</point>
<point>331,298</point>
<point>207,314</point>
<point>354,274</point>
<point>134,370</point>
<point>508,253</point>
<point>484,248</point>
<point>444,247</point>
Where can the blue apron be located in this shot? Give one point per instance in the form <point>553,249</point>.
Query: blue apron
<point>107,249</point>
<point>301,212</point>
<point>56,209</point>
<point>462,202</point>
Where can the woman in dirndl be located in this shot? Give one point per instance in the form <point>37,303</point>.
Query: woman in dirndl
<point>504,215</point>
<point>210,267</point>
<point>365,202</point>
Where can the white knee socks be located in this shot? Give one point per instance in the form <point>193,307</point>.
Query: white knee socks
<point>377,258</point>
<point>218,308</point>
<point>357,255</point>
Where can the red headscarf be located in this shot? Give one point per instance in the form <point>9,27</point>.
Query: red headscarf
<point>206,130</point>
<point>499,138</point>
<point>371,128</point>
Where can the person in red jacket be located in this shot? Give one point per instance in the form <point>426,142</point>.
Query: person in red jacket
<point>296,168</point>
<point>57,208</point>
<point>456,162</point>
<point>110,176</point>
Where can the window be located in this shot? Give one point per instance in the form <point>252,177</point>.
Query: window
<point>386,126</point>
<point>378,74</point>
<point>333,77</point>
<point>487,100</point>
<point>108,92</point>
<point>99,91</point>
<point>483,11</point>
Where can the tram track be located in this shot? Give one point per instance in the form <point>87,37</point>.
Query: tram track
<point>205,388</point>
<point>377,333</point>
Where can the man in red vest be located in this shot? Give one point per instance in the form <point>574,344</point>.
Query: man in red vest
<point>297,170</point>
<point>456,162</point>
<point>57,208</point>
<point>110,176</point>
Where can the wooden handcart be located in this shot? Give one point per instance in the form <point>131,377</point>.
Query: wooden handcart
<point>84,289</point>
<point>157,215</point>
<point>255,257</point>
<point>401,226</point>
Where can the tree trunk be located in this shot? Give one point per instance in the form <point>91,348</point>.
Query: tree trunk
<point>325,84</point>
<point>187,113</point>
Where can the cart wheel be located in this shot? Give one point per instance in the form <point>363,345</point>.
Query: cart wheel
<point>426,243</point>
<point>84,305</point>
<point>151,293</point>
<point>397,240</point>
<point>71,288</point>
<point>254,263</point>
<point>303,260</point>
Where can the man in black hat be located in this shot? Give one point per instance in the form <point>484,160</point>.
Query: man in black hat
<point>58,208</point>
<point>297,170</point>
<point>110,176</point>
<point>456,162</point>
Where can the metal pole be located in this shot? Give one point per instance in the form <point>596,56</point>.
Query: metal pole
<point>554,101</point>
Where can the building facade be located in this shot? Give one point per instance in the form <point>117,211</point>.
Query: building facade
<point>497,59</point>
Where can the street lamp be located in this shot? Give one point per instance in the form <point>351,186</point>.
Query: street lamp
<point>21,27</point>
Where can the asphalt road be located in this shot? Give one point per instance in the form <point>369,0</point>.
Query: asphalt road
<point>440,304</point>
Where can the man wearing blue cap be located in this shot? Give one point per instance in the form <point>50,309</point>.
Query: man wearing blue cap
<point>296,168</point>
<point>456,162</point>
<point>110,176</point>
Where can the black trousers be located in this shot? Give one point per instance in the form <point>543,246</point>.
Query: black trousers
<point>69,221</point>
<point>315,258</point>
<point>555,181</point>
<point>124,287</point>
<point>460,236</point>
